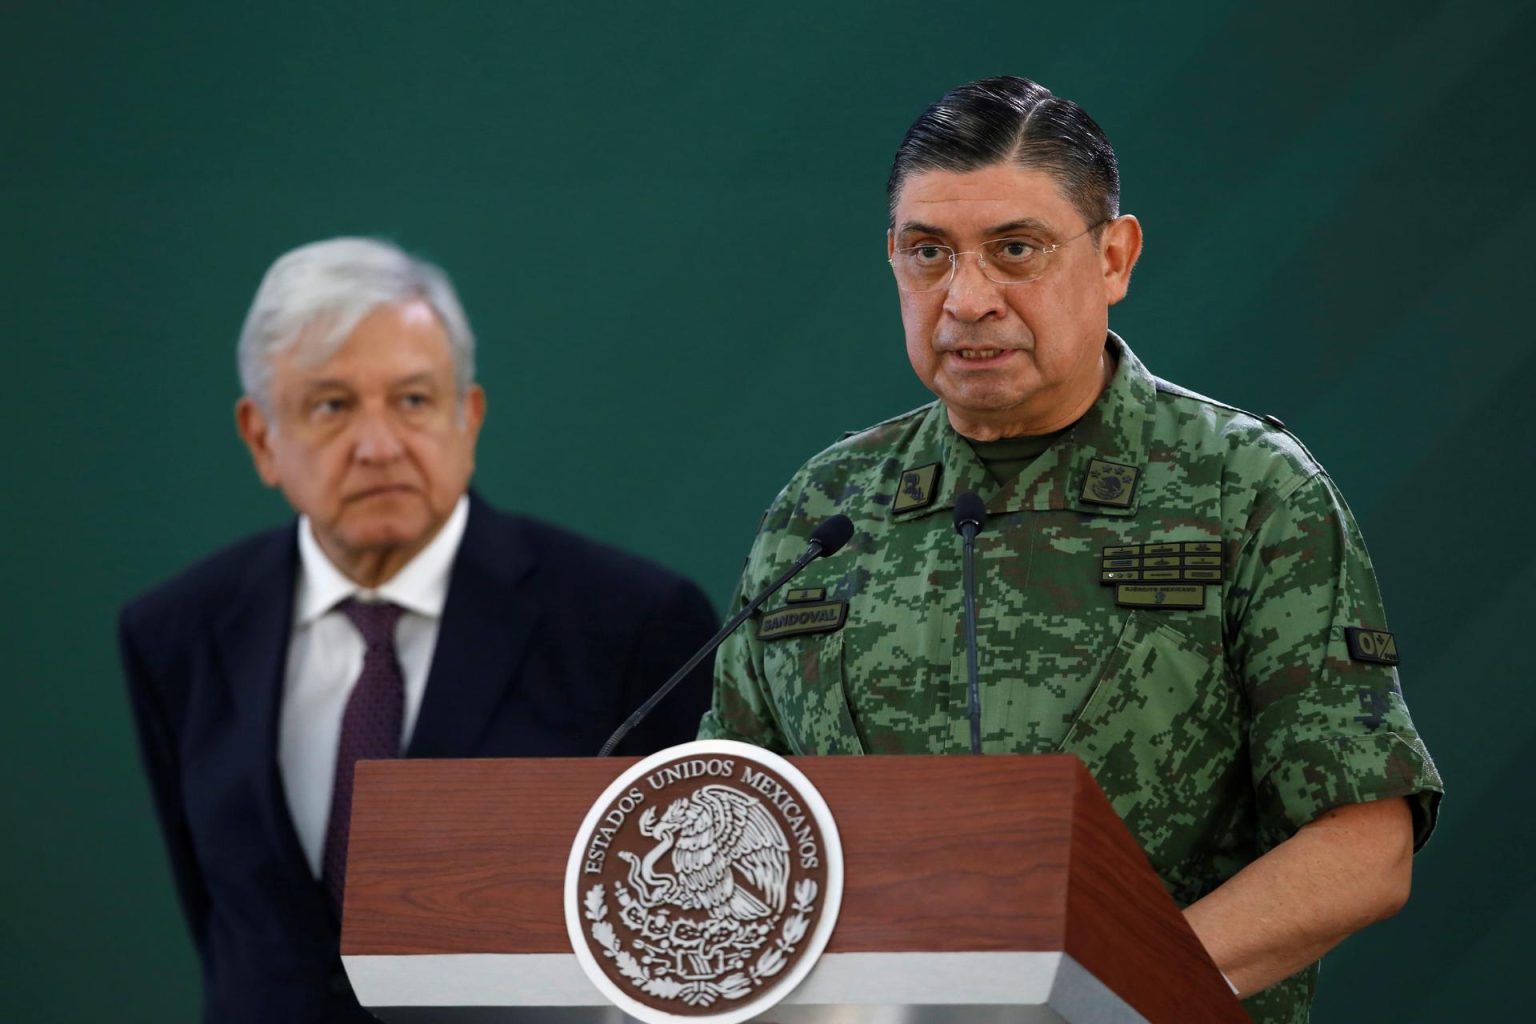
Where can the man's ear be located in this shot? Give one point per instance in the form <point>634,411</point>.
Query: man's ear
<point>474,411</point>
<point>256,432</point>
<point>471,414</point>
<point>1119,247</point>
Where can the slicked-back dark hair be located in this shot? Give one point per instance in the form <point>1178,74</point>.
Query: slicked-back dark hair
<point>1013,120</point>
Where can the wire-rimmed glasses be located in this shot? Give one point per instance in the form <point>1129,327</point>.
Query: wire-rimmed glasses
<point>1006,261</point>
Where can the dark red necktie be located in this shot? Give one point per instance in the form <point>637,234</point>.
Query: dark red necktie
<point>370,726</point>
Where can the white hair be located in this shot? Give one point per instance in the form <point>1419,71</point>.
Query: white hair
<point>319,292</point>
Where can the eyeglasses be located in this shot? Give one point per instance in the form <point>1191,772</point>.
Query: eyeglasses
<point>1005,261</point>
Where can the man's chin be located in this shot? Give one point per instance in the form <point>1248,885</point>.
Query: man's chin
<point>983,401</point>
<point>386,534</point>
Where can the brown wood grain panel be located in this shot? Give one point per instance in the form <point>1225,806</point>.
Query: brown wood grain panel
<point>1124,927</point>
<point>948,854</point>
<point>465,856</point>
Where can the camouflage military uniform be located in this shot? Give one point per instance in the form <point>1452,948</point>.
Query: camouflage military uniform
<point>1219,717</point>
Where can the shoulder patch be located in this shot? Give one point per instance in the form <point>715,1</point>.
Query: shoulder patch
<point>917,489</point>
<point>800,619</point>
<point>1373,645</point>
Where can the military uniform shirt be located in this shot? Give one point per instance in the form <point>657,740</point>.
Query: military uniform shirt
<point>1216,728</point>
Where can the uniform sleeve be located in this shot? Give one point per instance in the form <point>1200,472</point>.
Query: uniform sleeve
<point>740,709</point>
<point>1325,729</point>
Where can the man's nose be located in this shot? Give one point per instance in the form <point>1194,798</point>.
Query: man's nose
<point>972,295</point>
<point>377,439</point>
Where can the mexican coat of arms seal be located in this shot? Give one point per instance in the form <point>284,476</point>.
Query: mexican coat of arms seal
<point>703,884</point>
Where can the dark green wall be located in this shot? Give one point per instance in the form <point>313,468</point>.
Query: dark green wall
<point>666,222</point>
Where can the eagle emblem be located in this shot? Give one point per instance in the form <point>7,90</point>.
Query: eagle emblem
<point>704,886</point>
<point>729,858</point>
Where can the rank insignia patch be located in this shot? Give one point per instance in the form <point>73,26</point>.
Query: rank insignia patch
<point>1374,645</point>
<point>803,594</point>
<point>1109,483</point>
<point>1189,561</point>
<point>799,619</point>
<point>918,488</point>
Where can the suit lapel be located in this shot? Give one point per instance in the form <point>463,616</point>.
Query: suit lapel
<point>252,642</point>
<point>488,621</point>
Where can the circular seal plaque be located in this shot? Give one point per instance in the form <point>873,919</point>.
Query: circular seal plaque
<point>703,884</point>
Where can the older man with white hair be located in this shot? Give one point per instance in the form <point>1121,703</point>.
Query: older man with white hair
<point>401,615</point>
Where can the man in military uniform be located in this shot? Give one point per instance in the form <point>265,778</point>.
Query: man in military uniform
<point>1167,587</point>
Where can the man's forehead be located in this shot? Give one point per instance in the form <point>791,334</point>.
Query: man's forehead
<point>998,196</point>
<point>400,340</point>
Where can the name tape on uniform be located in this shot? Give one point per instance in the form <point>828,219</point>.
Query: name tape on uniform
<point>800,619</point>
<point>1134,595</point>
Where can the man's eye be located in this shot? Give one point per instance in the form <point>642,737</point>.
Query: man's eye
<point>415,399</point>
<point>929,253</point>
<point>330,406</point>
<point>1014,250</point>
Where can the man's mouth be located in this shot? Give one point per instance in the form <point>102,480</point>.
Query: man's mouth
<point>380,491</point>
<point>978,353</point>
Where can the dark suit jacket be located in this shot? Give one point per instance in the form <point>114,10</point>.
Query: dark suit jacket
<point>547,643</point>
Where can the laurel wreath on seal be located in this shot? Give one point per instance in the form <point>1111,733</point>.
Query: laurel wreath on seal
<point>703,993</point>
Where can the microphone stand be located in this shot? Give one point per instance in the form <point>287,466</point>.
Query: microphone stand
<point>970,517</point>
<point>973,685</point>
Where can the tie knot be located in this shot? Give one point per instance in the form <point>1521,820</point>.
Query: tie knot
<point>375,620</point>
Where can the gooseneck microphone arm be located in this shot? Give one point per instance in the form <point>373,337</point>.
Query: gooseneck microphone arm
<point>970,518</point>
<point>825,540</point>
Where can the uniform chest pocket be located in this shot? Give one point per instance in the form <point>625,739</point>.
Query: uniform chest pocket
<point>1163,735</point>
<point>805,682</point>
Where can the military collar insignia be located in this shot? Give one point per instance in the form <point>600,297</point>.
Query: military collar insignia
<point>917,488</point>
<point>1109,442</point>
<point>1171,574</point>
<point>1109,483</point>
<point>1096,468</point>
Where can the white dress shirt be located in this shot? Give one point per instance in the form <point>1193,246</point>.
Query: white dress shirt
<point>325,656</point>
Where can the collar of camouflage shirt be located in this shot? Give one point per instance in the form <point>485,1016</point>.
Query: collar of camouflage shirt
<point>1094,468</point>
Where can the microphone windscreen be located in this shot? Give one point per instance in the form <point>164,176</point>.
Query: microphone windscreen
<point>969,511</point>
<point>832,534</point>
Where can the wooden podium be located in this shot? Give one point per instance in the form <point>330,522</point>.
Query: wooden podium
<point>977,890</point>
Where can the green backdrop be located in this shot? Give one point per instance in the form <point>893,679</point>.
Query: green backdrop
<point>666,221</point>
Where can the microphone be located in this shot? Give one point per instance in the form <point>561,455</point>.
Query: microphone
<point>970,515</point>
<point>832,533</point>
<point>826,540</point>
<point>970,519</point>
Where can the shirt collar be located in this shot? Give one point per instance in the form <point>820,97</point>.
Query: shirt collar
<point>1113,431</point>
<point>420,587</point>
